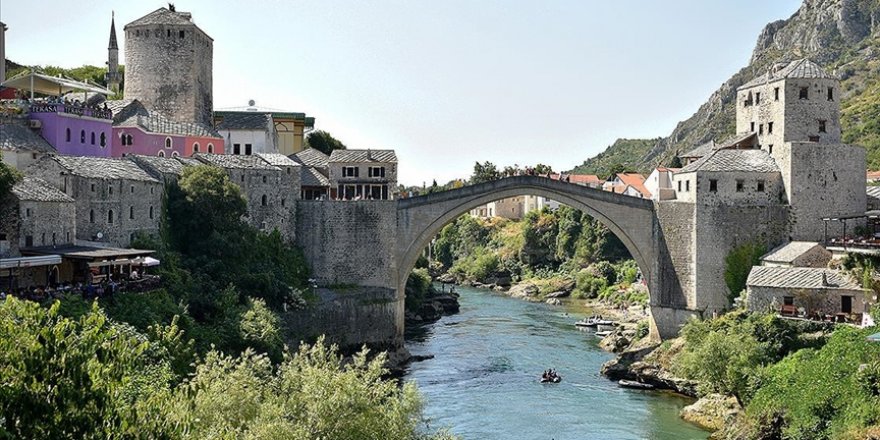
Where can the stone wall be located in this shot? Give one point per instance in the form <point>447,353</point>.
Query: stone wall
<point>270,205</point>
<point>827,301</point>
<point>676,266</point>
<point>46,223</point>
<point>169,73</point>
<point>349,243</point>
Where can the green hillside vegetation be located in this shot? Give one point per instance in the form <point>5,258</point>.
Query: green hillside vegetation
<point>624,152</point>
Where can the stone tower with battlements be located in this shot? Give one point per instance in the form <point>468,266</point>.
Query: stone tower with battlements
<point>168,65</point>
<point>113,77</point>
<point>794,109</point>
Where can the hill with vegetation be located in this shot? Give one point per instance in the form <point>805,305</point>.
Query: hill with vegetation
<point>842,36</point>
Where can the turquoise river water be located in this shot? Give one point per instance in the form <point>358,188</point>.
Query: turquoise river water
<point>482,383</point>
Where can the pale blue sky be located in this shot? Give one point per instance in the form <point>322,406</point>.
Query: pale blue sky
<point>445,83</point>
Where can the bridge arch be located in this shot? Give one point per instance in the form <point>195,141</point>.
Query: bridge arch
<point>631,219</point>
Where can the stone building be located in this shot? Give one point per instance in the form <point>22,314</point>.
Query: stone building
<point>35,214</point>
<point>659,183</point>
<point>20,145</point>
<point>164,169</point>
<point>269,203</point>
<point>363,174</point>
<point>314,173</point>
<point>169,65</point>
<point>115,199</point>
<point>265,130</point>
<point>805,291</point>
<point>794,110</point>
<point>797,254</point>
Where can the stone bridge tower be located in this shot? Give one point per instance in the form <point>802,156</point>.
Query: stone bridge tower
<point>168,65</point>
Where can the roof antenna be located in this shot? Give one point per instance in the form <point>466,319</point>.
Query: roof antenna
<point>171,7</point>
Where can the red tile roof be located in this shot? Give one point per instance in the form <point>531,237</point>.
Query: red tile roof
<point>873,175</point>
<point>635,180</point>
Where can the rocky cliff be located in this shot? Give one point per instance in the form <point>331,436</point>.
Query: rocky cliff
<point>841,35</point>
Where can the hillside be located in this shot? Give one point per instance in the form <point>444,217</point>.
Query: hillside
<point>841,35</point>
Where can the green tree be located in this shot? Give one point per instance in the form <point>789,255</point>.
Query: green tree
<point>323,142</point>
<point>485,172</point>
<point>675,162</point>
<point>8,177</point>
<point>543,169</point>
<point>616,169</point>
<point>738,264</point>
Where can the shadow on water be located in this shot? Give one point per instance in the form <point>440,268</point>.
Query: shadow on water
<point>483,381</point>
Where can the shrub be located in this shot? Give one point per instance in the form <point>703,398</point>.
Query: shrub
<point>738,264</point>
<point>418,285</point>
<point>259,328</point>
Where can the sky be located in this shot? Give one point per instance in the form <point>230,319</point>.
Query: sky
<point>444,83</point>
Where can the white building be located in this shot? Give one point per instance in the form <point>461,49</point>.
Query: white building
<point>247,133</point>
<point>659,183</point>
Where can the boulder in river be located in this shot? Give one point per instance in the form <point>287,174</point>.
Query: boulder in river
<point>524,290</point>
<point>712,412</point>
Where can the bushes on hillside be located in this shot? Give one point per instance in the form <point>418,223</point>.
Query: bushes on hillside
<point>738,264</point>
<point>418,286</point>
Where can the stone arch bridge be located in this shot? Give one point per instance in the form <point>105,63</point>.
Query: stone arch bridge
<point>373,245</point>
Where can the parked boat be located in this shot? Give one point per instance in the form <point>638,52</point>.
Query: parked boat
<point>593,322</point>
<point>623,383</point>
<point>603,333</point>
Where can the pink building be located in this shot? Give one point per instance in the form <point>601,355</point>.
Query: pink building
<point>141,132</point>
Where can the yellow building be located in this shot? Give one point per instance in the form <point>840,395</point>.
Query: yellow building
<point>291,129</point>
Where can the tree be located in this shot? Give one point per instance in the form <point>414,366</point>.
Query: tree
<point>323,142</point>
<point>8,177</point>
<point>675,162</point>
<point>484,172</point>
<point>542,169</point>
<point>738,264</point>
<point>616,169</point>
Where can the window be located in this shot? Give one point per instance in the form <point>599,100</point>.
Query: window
<point>822,126</point>
<point>757,98</point>
<point>350,172</point>
<point>713,185</point>
<point>264,179</point>
<point>131,212</point>
<point>760,186</point>
<point>146,32</point>
<point>814,138</point>
<point>91,216</point>
<point>377,171</point>
<point>93,138</point>
<point>151,212</point>
<point>161,154</point>
<point>739,185</point>
<point>247,149</point>
<point>748,100</point>
<point>242,178</point>
<point>128,136</point>
<point>167,142</point>
<point>788,300</point>
<point>82,136</point>
<point>769,128</point>
<point>196,147</point>
<point>752,127</point>
<point>283,201</point>
<point>68,135</point>
<point>804,93</point>
<point>760,128</point>
<point>27,212</point>
<point>679,186</point>
<point>770,148</point>
<point>210,148</point>
<point>288,170</point>
<point>263,200</point>
<point>175,154</point>
<point>110,216</point>
<point>131,189</point>
<point>93,187</point>
<point>103,140</point>
<point>151,190</point>
<point>137,33</point>
<point>831,93</point>
<point>687,186</point>
<point>236,148</point>
<point>43,238</point>
<point>181,34</point>
<point>29,240</point>
<point>776,94</point>
<point>110,189</point>
<point>53,238</point>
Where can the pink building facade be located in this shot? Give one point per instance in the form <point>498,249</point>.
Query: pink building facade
<point>153,135</point>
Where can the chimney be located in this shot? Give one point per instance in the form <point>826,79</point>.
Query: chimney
<point>825,279</point>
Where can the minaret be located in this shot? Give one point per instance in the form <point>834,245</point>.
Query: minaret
<point>113,57</point>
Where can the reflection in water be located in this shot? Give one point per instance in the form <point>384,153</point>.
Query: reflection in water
<point>483,381</point>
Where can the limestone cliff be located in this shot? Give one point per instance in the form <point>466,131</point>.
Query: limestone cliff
<point>841,35</point>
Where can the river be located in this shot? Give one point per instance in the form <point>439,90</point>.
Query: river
<point>482,383</point>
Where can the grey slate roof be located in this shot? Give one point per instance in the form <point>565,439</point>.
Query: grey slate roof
<point>699,151</point>
<point>309,176</point>
<point>162,16</point>
<point>756,161</point>
<point>38,190</point>
<point>103,168</point>
<point>163,165</point>
<point>156,123</point>
<point>243,121</point>
<point>188,161</point>
<point>116,106</point>
<point>802,68</point>
<point>17,136</point>
<point>729,142</point>
<point>311,157</point>
<point>233,161</point>
<point>799,278</point>
<point>789,252</point>
<point>279,160</point>
<point>873,191</point>
<point>385,156</point>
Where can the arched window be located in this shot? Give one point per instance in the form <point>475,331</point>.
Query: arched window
<point>211,148</point>
<point>131,212</point>
<point>263,200</point>
<point>110,216</point>
<point>103,140</point>
<point>93,138</point>
<point>68,135</point>
<point>168,142</point>
<point>128,136</point>
<point>82,136</point>
<point>161,154</point>
<point>151,212</point>
<point>91,216</point>
<point>196,147</point>
<point>123,139</point>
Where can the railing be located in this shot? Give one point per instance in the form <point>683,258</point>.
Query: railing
<point>71,109</point>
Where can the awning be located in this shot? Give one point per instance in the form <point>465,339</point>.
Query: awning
<point>42,260</point>
<point>874,338</point>
<point>51,85</point>
<point>150,262</point>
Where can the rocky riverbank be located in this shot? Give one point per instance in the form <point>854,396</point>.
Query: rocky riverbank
<point>433,307</point>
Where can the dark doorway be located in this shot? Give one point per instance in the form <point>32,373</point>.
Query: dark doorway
<point>846,304</point>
